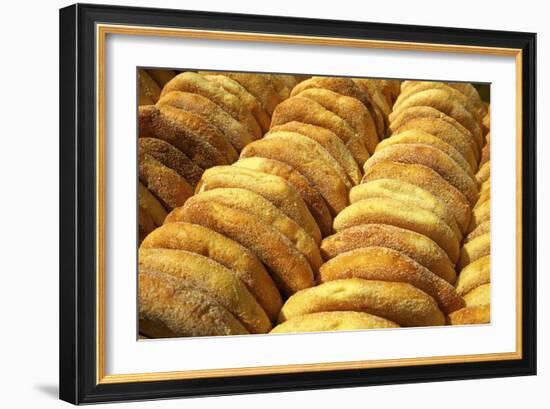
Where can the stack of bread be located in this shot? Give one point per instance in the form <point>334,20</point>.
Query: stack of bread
<point>397,246</point>
<point>474,265</point>
<point>312,204</point>
<point>191,122</point>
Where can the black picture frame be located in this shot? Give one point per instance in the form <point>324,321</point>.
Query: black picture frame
<point>78,204</point>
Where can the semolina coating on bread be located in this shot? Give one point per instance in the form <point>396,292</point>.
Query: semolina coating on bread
<point>288,267</point>
<point>442,101</point>
<point>427,179</point>
<point>328,140</point>
<point>384,264</point>
<point>433,158</point>
<point>197,84</point>
<point>165,183</point>
<point>265,212</point>
<point>415,136</point>
<point>346,87</point>
<point>429,112</point>
<point>473,275</point>
<point>350,110</point>
<point>319,170</point>
<point>333,321</point>
<point>398,302</point>
<point>210,277</point>
<point>482,228</point>
<point>475,314</point>
<point>260,86</point>
<point>273,188</point>
<point>407,193</point>
<point>404,215</point>
<point>172,158</point>
<point>475,109</point>
<point>164,123</point>
<point>233,131</point>
<point>462,142</point>
<point>238,259</point>
<point>474,249</point>
<point>311,197</point>
<point>420,248</point>
<point>250,101</point>
<point>170,308</point>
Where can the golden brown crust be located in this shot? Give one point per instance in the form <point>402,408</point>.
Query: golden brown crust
<point>398,302</point>
<point>265,212</point>
<point>273,188</point>
<point>172,158</point>
<point>407,193</point>
<point>145,223</point>
<point>443,130</point>
<point>206,275</point>
<point>260,86</point>
<point>150,204</point>
<point>161,76</point>
<point>479,296</point>
<point>404,215</point>
<point>474,249</point>
<point>328,140</point>
<point>350,110</point>
<point>204,130</point>
<point>428,112</point>
<point>433,158</point>
<point>484,172</point>
<point>372,89</point>
<point>427,179</point>
<point>315,146</point>
<point>294,151</point>
<point>473,275</point>
<point>333,321</point>
<point>471,93</point>
<point>165,183</point>
<point>238,259</point>
<point>420,248</point>
<point>311,197</point>
<point>148,89</point>
<point>289,268</point>
<point>346,87</point>
<point>169,308</point>
<point>442,101</point>
<point>476,110</point>
<point>197,84</point>
<point>232,129</point>
<point>306,110</point>
<point>415,136</point>
<point>250,101</point>
<point>390,89</point>
<point>482,228</point>
<point>164,124</point>
<point>476,314</point>
<point>481,212</point>
<point>384,264</point>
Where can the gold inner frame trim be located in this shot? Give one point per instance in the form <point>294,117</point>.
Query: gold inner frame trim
<point>101,32</point>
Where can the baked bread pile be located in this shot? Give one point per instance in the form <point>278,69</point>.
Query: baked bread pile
<point>192,121</point>
<point>397,246</point>
<point>474,265</point>
<point>320,204</point>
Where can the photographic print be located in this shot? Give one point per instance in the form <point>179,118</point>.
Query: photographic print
<point>276,203</point>
<point>260,204</point>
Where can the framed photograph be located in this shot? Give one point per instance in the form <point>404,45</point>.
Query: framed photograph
<point>258,203</point>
